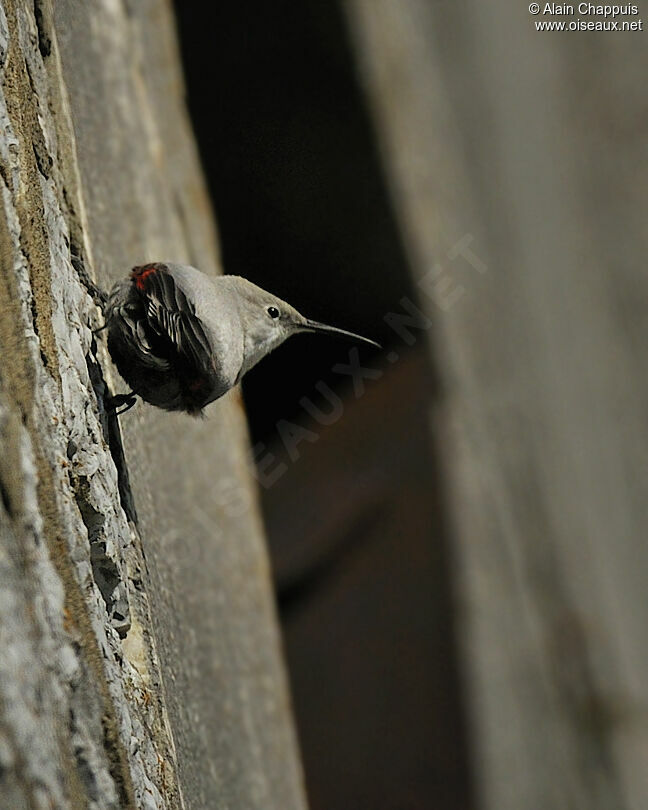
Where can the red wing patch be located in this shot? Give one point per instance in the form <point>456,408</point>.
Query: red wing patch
<point>140,274</point>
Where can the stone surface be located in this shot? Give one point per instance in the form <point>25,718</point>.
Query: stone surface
<point>141,663</point>
<point>529,150</point>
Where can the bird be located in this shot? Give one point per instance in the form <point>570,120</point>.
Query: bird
<point>181,339</point>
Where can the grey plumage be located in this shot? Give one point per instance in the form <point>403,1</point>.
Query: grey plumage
<point>181,339</point>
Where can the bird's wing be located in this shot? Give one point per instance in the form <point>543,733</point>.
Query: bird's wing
<point>170,322</point>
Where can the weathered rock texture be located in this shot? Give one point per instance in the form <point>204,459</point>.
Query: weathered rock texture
<point>531,147</point>
<point>140,663</point>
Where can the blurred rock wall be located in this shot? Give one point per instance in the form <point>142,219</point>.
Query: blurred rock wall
<point>140,664</point>
<point>518,165</point>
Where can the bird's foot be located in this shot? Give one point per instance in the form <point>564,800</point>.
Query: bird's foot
<point>125,400</point>
<point>99,296</point>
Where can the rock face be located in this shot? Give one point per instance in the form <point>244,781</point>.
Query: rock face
<point>140,660</point>
<point>518,164</point>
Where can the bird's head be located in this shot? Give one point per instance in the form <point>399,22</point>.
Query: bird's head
<point>267,321</point>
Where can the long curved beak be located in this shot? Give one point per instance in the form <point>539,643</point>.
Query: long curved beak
<point>315,326</point>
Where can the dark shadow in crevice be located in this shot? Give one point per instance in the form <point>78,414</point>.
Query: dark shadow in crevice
<point>112,434</point>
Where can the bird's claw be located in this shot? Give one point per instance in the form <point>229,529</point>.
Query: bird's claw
<point>119,400</point>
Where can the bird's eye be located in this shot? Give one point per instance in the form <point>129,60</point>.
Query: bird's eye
<point>273,312</point>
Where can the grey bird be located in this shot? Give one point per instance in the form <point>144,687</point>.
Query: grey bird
<point>181,339</point>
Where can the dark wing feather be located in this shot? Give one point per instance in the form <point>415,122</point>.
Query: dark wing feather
<point>171,317</point>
